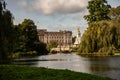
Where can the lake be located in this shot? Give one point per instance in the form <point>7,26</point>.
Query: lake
<point>102,66</point>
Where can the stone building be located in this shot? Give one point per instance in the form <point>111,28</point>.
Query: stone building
<point>63,38</point>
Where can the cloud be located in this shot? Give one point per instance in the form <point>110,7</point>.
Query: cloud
<point>70,27</point>
<point>22,4</point>
<point>80,15</point>
<point>49,7</point>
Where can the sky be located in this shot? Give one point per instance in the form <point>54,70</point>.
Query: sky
<point>53,15</point>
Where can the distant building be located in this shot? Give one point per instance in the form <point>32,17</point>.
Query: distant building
<point>63,38</point>
<point>78,37</point>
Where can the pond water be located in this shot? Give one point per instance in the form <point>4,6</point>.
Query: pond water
<point>102,66</point>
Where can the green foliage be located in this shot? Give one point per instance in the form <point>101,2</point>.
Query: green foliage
<point>110,51</point>
<point>98,10</point>
<point>41,48</point>
<point>6,33</point>
<point>115,13</point>
<point>100,37</point>
<point>51,44</point>
<point>27,39</point>
<point>8,72</point>
<point>115,16</point>
<point>74,49</point>
<point>29,36</point>
<point>53,52</point>
<point>73,39</point>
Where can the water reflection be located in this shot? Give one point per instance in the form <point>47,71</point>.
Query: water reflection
<point>103,66</point>
<point>64,61</point>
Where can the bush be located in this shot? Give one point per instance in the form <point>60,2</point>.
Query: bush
<point>53,52</point>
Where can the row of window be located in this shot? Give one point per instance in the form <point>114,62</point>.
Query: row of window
<point>60,41</point>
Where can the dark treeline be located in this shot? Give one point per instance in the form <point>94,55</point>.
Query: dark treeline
<point>17,40</point>
<point>103,32</point>
<point>27,40</point>
<point>6,33</point>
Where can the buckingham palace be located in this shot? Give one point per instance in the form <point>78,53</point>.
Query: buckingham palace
<point>63,38</point>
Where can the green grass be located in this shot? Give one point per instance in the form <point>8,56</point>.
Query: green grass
<point>15,72</point>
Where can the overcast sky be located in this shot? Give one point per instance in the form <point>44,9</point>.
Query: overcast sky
<point>53,15</point>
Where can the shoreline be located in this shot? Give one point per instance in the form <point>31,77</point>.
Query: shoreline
<point>99,55</point>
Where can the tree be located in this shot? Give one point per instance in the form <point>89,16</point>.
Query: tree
<point>20,40</point>
<point>100,37</point>
<point>29,34</point>
<point>41,48</point>
<point>115,13</point>
<point>6,33</point>
<point>115,16</point>
<point>73,39</point>
<point>51,44</point>
<point>28,40</point>
<point>98,10</point>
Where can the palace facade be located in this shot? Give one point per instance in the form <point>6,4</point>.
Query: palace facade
<point>63,38</point>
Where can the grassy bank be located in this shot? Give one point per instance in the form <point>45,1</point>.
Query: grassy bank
<point>14,72</point>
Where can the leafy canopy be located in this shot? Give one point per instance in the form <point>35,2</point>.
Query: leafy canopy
<point>28,40</point>
<point>51,44</point>
<point>6,33</point>
<point>115,13</point>
<point>98,10</point>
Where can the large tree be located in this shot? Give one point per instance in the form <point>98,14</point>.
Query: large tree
<point>6,33</point>
<point>98,10</point>
<point>28,38</point>
<point>29,34</point>
<point>102,34</point>
<point>100,37</point>
<point>115,16</point>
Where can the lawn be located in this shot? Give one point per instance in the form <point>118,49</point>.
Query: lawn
<point>16,72</point>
